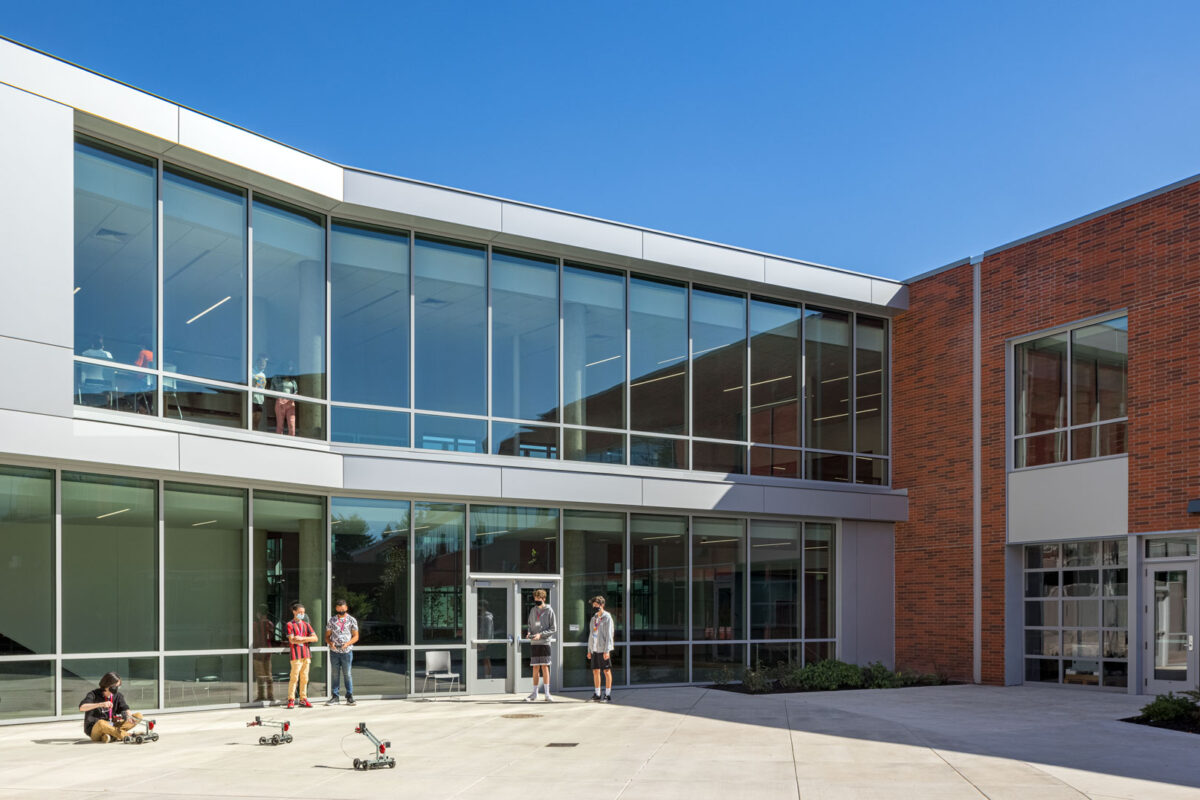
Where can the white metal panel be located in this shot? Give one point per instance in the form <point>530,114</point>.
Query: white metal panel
<point>554,226</point>
<point>1085,500</point>
<point>723,261</point>
<point>891,507</point>
<point>818,280</point>
<point>37,254</point>
<point>229,143</point>
<point>889,293</point>
<point>37,377</point>
<point>697,496</point>
<point>432,478</point>
<point>58,439</point>
<point>205,455</point>
<point>65,83</point>
<point>421,201</point>
<point>570,487</point>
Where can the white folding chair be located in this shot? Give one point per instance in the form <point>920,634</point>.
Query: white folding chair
<point>437,666</point>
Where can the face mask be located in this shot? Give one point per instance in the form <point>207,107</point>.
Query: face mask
<point>342,613</point>
<point>541,602</point>
<point>301,617</point>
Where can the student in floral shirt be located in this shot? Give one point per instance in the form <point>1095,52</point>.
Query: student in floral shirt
<point>341,632</point>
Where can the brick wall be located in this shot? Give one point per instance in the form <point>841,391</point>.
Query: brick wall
<point>1145,258</point>
<point>931,406</point>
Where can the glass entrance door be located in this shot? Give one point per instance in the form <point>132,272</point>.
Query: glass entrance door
<point>500,645</point>
<point>1170,628</point>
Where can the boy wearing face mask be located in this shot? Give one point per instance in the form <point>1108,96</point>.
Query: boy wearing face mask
<point>299,635</point>
<point>341,632</point>
<point>106,715</point>
<point>600,645</point>
<point>542,627</point>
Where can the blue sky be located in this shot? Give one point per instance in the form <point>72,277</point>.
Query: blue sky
<point>888,138</point>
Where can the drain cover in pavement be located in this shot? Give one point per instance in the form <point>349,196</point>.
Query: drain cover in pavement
<point>520,716</point>
<point>563,744</point>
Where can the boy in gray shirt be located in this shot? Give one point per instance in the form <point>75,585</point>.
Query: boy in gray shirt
<point>542,627</point>
<point>600,645</point>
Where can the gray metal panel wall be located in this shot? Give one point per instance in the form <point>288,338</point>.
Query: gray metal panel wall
<point>868,595</point>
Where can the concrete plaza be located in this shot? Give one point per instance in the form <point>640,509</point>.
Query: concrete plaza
<point>936,742</point>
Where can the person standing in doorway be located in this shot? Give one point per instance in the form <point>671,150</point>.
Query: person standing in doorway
<point>264,637</point>
<point>600,645</point>
<point>542,628</point>
<point>299,635</point>
<point>341,632</point>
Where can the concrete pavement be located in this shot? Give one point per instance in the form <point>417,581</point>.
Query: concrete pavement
<point>931,742</point>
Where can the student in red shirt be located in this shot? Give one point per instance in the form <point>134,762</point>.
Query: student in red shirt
<point>299,635</point>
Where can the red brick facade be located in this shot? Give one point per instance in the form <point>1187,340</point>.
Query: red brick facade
<point>1145,258</point>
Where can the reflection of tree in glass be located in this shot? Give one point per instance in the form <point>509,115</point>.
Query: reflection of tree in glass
<point>384,553</point>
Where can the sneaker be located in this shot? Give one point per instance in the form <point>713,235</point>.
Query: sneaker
<point>597,698</point>
<point>532,696</point>
<point>333,701</point>
<point>549,699</point>
<point>304,703</point>
<point>350,700</point>
<point>608,698</point>
<point>291,703</point>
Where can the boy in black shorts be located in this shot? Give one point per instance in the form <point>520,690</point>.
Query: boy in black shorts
<point>600,645</point>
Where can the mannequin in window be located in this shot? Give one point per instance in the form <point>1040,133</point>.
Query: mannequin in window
<point>285,407</point>
<point>258,381</point>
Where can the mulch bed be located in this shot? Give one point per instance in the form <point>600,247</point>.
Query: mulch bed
<point>1182,725</point>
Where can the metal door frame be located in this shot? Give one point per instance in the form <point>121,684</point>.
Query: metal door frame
<point>1189,566</point>
<point>514,682</point>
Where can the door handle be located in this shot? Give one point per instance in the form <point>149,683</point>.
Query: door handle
<point>510,639</point>
<point>1189,641</point>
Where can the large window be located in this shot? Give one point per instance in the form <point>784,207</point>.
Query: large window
<point>439,530</point>
<point>524,337</point>
<point>116,255</point>
<point>658,363</point>
<point>718,579</point>
<point>369,317</point>
<point>109,564</point>
<point>775,567</point>
<point>658,578</point>
<point>1070,394</point>
<point>289,299</point>
<point>370,566</point>
<point>204,278</point>
<point>593,564</point>
<point>204,555</point>
<point>593,347</point>
<point>289,562</point>
<point>514,539</point>
<point>27,561</point>
<point>719,364</point>
<point>1077,613</point>
<point>450,297</point>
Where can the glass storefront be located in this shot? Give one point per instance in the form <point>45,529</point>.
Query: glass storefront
<point>693,598</point>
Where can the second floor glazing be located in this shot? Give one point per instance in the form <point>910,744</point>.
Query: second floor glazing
<point>202,301</point>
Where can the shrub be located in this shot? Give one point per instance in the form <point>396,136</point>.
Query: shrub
<point>1170,707</point>
<point>876,676</point>
<point>723,676</point>
<point>755,680</point>
<point>828,675</point>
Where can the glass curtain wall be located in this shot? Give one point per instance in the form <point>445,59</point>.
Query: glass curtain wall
<point>693,598</point>
<point>456,346</point>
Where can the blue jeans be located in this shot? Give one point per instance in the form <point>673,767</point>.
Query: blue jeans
<point>339,664</point>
